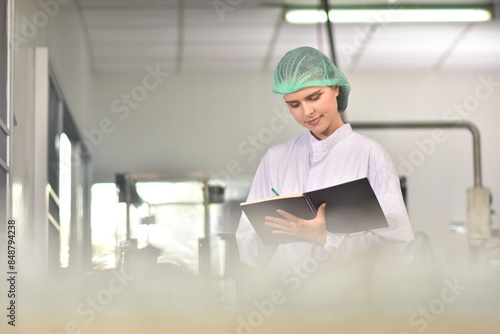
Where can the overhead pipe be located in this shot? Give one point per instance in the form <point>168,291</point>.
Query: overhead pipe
<point>329,28</point>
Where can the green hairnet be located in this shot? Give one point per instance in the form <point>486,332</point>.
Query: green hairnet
<point>307,67</point>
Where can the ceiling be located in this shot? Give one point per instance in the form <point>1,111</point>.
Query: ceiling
<point>250,35</point>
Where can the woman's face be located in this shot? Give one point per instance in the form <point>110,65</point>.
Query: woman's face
<point>315,108</point>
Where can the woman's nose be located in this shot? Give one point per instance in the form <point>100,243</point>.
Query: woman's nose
<point>308,109</point>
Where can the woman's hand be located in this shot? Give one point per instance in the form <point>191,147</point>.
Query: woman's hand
<point>312,230</point>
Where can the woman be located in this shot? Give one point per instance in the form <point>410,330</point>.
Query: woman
<point>330,153</point>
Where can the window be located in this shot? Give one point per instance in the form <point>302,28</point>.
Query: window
<point>107,225</point>
<point>68,241</point>
<point>169,217</point>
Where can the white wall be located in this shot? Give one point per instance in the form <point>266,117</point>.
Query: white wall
<point>190,122</point>
<point>197,121</point>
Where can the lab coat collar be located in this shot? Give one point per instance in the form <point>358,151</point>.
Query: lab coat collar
<point>328,143</point>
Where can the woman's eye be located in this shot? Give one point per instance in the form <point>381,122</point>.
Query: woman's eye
<point>294,105</point>
<point>315,98</point>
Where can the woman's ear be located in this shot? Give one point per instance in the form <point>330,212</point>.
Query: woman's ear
<point>336,90</point>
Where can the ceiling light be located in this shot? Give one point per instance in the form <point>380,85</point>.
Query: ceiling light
<point>309,16</point>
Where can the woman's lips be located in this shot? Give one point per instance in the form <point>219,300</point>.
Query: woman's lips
<point>314,121</point>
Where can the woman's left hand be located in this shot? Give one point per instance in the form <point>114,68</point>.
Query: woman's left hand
<point>312,230</point>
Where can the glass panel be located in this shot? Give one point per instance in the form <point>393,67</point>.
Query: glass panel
<point>53,136</point>
<point>54,209</point>
<point>54,245</point>
<point>65,197</point>
<point>3,200</point>
<point>3,146</point>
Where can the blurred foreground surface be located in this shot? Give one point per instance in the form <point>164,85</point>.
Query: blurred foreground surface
<point>359,297</point>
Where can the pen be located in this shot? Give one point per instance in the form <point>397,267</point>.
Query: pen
<point>275,192</point>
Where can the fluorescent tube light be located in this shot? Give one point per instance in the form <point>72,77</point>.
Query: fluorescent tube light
<point>309,16</point>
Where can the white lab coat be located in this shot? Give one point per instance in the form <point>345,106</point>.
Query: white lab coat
<point>302,164</point>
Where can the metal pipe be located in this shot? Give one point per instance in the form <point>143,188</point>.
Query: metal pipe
<point>329,28</point>
<point>433,125</point>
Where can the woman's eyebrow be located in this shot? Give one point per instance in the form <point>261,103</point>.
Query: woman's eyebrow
<point>308,96</point>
